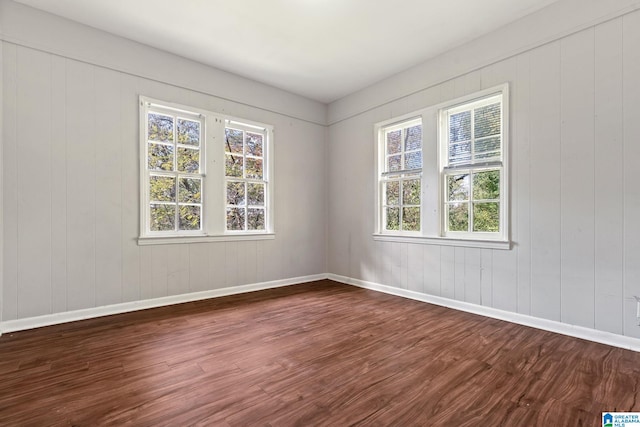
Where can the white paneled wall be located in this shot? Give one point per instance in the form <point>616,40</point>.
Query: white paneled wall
<point>608,176</point>
<point>630,202</point>
<point>70,172</point>
<point>71,202</point>
<point>575,204</point>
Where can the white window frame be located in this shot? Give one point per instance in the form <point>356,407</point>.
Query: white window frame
<point>212,170</point>
<point>473,166</point>
<point>147,175</point>
<point>400,176</point>
<point>434,167</point>
<point>259,130</point>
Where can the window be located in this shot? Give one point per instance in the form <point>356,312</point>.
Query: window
<point>442,173</point>
<point>472,168</point>
<point>174,170</point>
<point>400,181</point>
<point>204,176</point>
<point>245,177</point>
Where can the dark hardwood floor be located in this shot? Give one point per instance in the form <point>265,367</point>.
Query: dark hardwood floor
<point>315,354</point>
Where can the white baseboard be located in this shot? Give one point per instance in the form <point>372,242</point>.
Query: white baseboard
<point>608,338</point>
<point>89,313</point>
<point>602,337</point>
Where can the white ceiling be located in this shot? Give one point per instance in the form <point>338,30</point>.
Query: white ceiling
<point>321,49</point>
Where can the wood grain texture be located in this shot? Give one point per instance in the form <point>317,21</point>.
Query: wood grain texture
<point>315,354</point>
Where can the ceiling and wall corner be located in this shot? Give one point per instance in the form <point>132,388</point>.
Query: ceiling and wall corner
<point>320,49</point>
<point>545,25</point>
<point>43,31</point>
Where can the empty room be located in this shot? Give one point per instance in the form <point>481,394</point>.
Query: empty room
<point>319,212</point>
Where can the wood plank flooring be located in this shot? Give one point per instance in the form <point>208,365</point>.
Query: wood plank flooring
<point>315,354</point>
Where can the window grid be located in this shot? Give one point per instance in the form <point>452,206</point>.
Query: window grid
<point>470,214</point>
<point>473,141</point>
<point>401,207</point>
<point>245,184</point>
<point>475,150</point>
<point>183,176</point>
<point>184,219</point>
<point>408,210</point>
<point>470,200</point>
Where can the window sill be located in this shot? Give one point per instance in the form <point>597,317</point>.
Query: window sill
<point>170,240</point>
<point>444,241</point>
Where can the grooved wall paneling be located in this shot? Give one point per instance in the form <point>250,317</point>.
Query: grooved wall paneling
<point>574,156</point>
<point>71,194</point>
<point>631,160</point>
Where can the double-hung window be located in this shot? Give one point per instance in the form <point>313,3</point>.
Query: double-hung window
<point>471,144</point>
<point>442,173</point>
<point>245,179</point>
<point>400,180</point>
<point>204,176</point>
<point>174,170</point>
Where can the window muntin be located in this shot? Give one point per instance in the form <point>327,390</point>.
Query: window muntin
<point>245,178</point>
<point>204,176</point>
<point>401,176</point>
<point>474,132</point>
<point>463,177</point>
<point>174,170</point>
<point>472,168</point>
<point>473,201</point>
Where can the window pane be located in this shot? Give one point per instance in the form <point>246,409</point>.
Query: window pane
<point>163,217</point>
<point>411,192</point>
<point>235,193</point>
<point>234,141</point>
<point>487,120</point>
<point>253,168</point>
<point>486,217</point>
<point>188,132</point>
<point>255,194</point>
<point>413,139</point>
<point>160,157</point>
<point>458,186</point>
<point>162,189</point>
<point>411,219</point>
<point>488,156</point>
<point>393,192</point>
<point>233,166</point>
<point>254,144</point>
<point>487,148</point>
<point>486,185</point>
<point>189,191</point>
<point>460,127</point>
<point>255,219</point>
<point>458,216</point>
<point>413,160</point>
<point>394,140</point>
<point>394,163</point>
<point>188,160</point>
<point>189,217</point>
<point>393,219</point>
<point>460,153</point>
<point>160,127</point>
<point>235,218</point>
